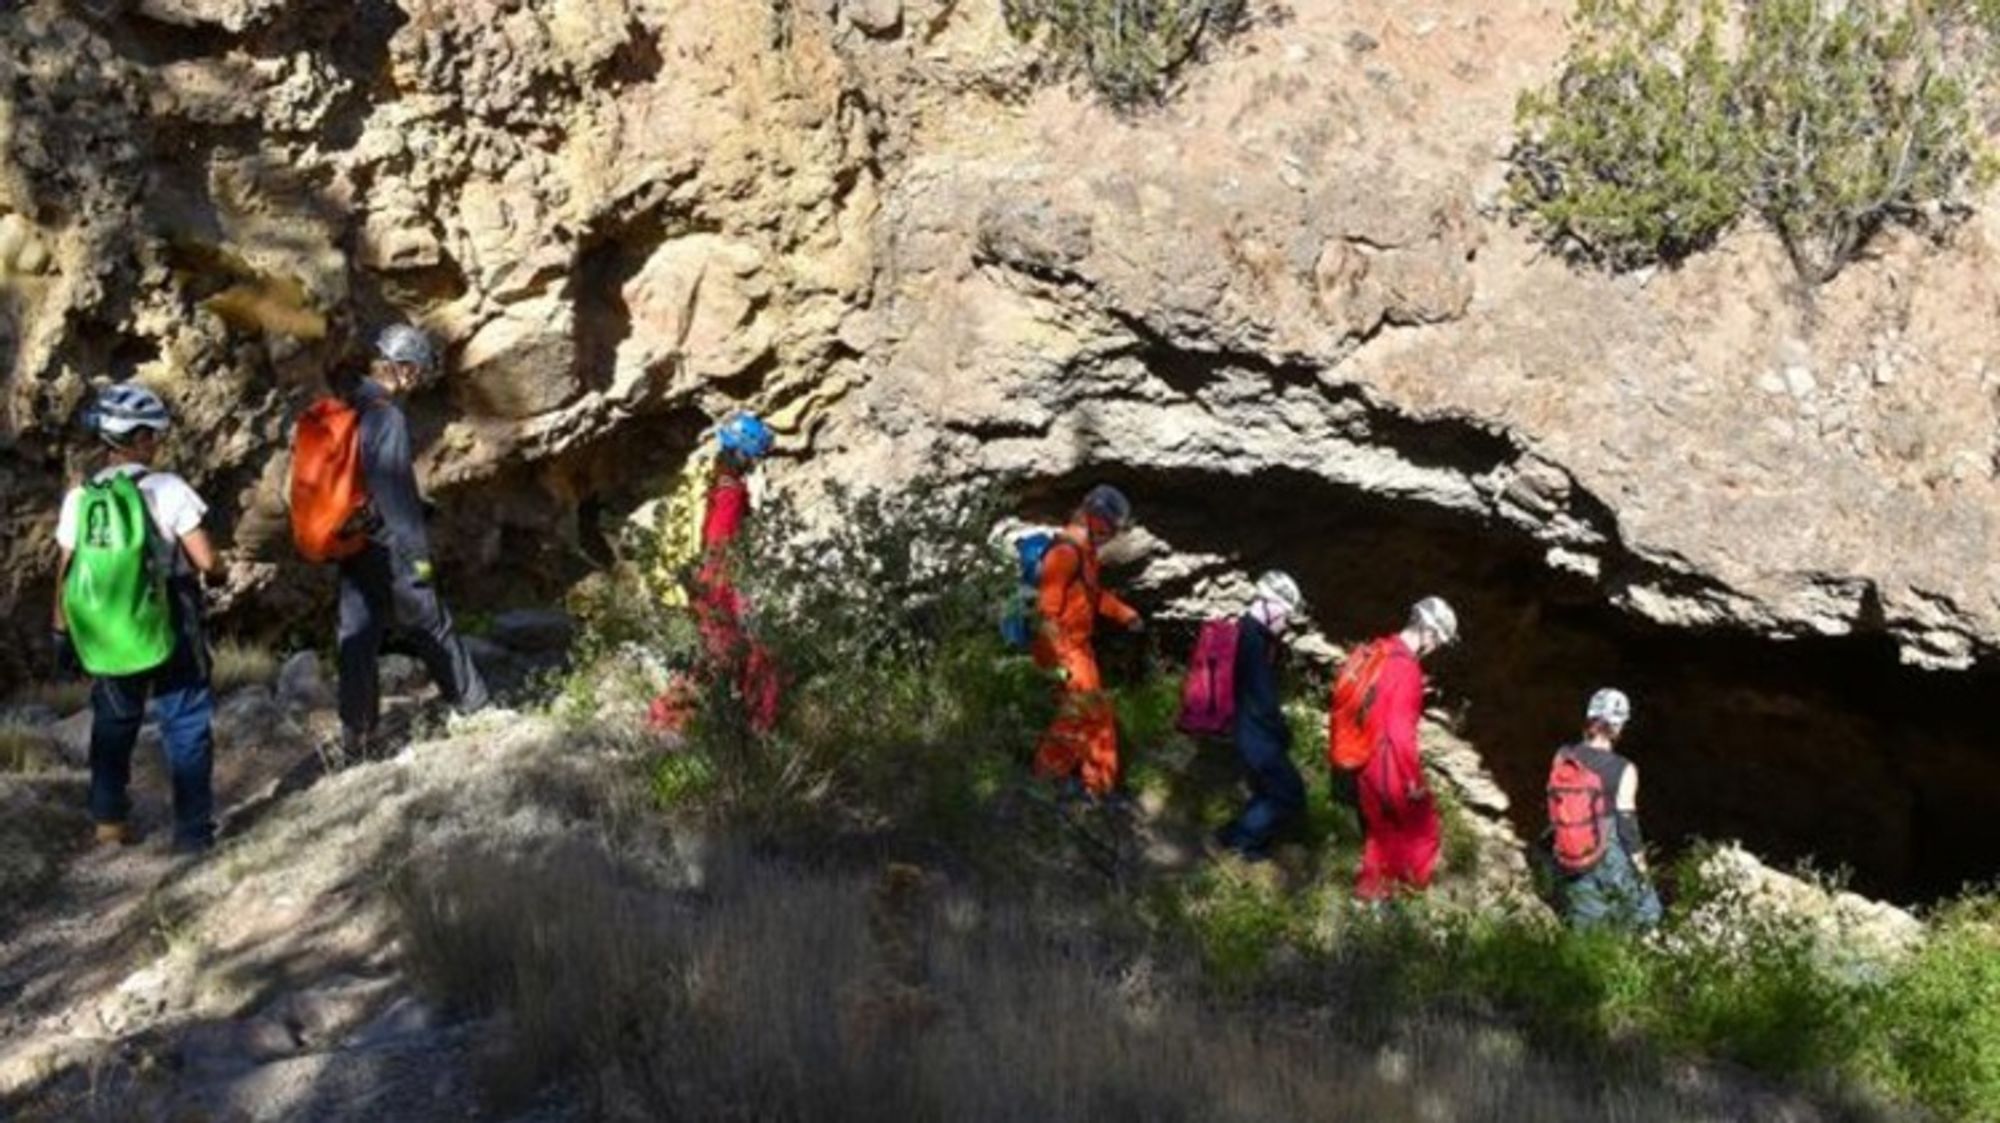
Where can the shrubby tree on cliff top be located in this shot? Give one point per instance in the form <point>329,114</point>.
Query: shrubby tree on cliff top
<point>1131,49</point>
<point>1829,119</point>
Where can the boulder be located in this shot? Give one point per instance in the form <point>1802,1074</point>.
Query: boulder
<point>534,631</point>
<point>301,683</point>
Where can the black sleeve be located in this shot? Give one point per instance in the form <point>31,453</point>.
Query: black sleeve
<point>387,463</point>
<point>1628,832</point>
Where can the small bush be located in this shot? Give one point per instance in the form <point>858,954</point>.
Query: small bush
<point>1830,120</point>
<point>1933,1033</point>
<point>1130,49</point>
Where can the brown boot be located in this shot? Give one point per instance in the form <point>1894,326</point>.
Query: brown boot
<point>115,833</point>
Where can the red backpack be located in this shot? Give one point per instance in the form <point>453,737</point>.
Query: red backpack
<point>1579,810</point>
<point>1350,738</point>
<point>1208,696</point>
<point>329,496</point>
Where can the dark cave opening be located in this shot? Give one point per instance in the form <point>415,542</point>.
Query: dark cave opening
<point>1826,749</point>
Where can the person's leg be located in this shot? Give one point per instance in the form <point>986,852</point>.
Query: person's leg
<point>117,710</point>
<point>1277,791</point>
<point>1372,880</point>
<point>1422,842</point>
<point>364,620</point>
<point>1098,727</point>
<point>1066,743</point>
<point>422,616</point>
<point>186,708</point>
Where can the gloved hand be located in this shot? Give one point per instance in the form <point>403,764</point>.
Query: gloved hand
<point>63,649</point>
<point>422,572</point>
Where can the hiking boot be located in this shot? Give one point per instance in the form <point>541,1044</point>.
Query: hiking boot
<point>120,834</point>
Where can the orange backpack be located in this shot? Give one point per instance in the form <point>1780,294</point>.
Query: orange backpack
<point>329,496</point>
<point>1350,740</point>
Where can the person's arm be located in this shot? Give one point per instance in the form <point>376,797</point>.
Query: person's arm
<point>1627,809</point>
<point>1257,677</point>
<point>1113,608</point>
<point>58,621</point>
<point>389,467</point>
<point>1401,706</point>
<point>200,550</point>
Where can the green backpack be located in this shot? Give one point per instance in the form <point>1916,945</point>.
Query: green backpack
<point>114,598</point>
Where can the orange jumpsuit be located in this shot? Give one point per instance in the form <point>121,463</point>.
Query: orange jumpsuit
<point>1083,738</point>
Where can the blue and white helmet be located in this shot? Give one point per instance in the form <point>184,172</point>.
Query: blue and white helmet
<point>744,434</point>
<point>122,410</point>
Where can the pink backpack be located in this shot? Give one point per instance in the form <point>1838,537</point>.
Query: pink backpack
<point>1208,697</point>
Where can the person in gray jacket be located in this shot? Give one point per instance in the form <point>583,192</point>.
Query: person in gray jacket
<point>388,590</point>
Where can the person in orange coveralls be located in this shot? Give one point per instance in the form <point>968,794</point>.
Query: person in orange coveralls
<point>1399,815</point>
<point>1081,744</point>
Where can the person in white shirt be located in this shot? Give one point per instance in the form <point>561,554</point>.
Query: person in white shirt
<point>131,421</point>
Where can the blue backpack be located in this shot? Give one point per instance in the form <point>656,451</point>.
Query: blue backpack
<point>1017,617</point>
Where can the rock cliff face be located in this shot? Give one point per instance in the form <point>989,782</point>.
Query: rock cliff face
<point>1287,312</point>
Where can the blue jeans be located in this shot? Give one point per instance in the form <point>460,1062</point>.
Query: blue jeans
<point>184,706</point>
<point>1614,894</point>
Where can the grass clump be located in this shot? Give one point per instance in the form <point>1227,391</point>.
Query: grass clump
<point>237,663</point>
<point>1130,50</point>
<point>772,992</point>
<point>1831,120</point>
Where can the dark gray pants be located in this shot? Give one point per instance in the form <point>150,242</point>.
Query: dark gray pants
<point>380,603</point>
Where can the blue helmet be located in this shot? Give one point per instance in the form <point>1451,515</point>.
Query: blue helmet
<point>745,435</point>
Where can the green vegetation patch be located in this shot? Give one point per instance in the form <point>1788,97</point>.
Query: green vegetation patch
<point>1131,50</point>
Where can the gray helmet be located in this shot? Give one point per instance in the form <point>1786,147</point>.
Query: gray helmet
<point>406,343</point>
<point>1277,585</point>
<point>1435,616</point>
<point>1109,504</point>
<point>1610,707</point>
<point>122,410</point>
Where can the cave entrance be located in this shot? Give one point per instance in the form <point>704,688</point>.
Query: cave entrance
<point>1825,749</point>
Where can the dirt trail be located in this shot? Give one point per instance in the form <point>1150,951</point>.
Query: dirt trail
<point>259,982</point>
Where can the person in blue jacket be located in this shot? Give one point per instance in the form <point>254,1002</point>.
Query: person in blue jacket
<point>1263,738</point>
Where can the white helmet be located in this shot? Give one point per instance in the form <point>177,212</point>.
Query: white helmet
<point>1433,615</point>
<point>1610,707</point>
<point>125,409</point>
<point>1278,586</point>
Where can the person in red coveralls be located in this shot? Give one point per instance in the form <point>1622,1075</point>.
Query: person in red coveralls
<point>718,605</point>
<point>1399,816</point>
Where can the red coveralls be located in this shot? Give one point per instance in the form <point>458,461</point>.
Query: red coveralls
<point>1399,817</point>
<point>718,607</point>
<point>1083,738</point>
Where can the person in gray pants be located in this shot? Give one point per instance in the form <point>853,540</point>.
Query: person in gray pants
<point>389,588</point>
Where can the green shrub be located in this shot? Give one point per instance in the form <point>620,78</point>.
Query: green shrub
<point>1635,155</point>
<point>1933,1033</point>
<point>901,710</point>
<point>1130,49</point>
<point>1830,120</point>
